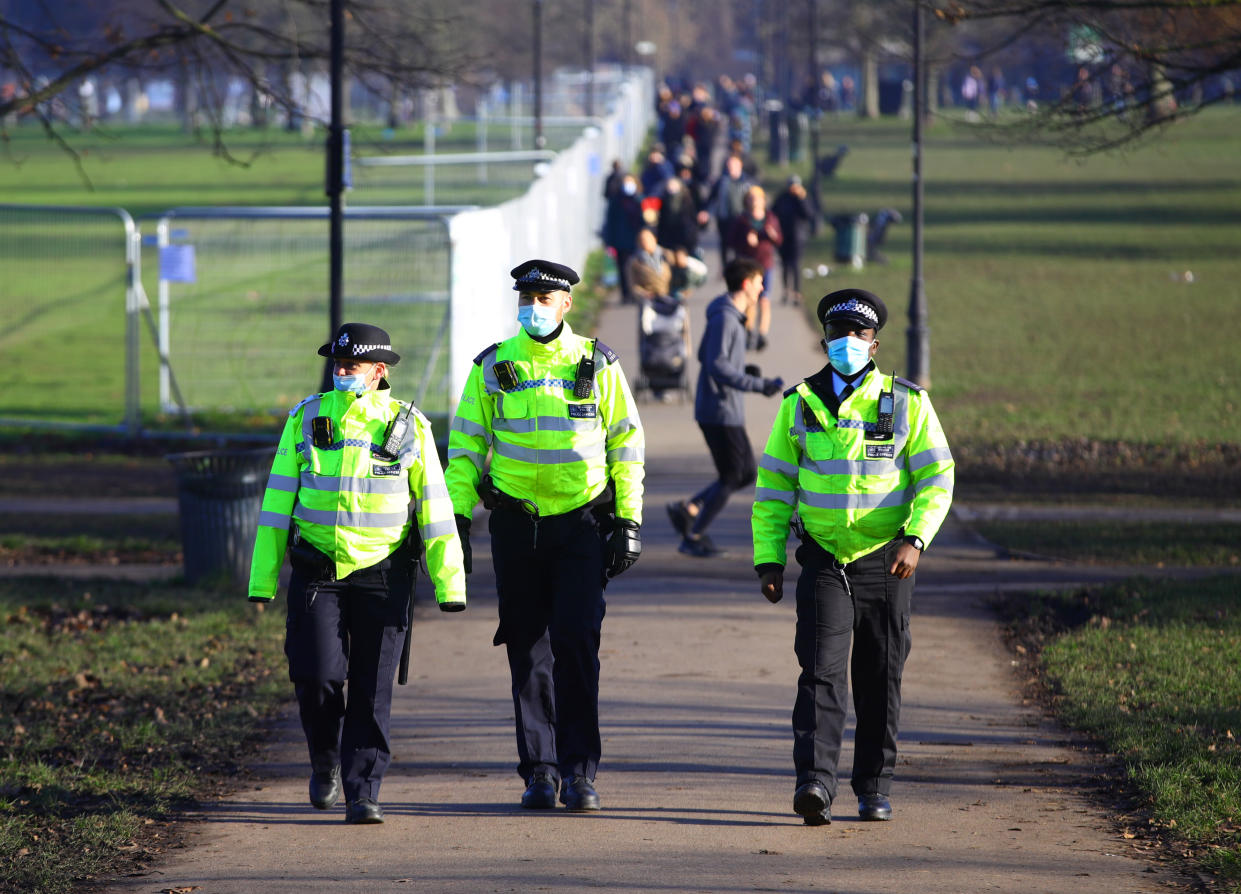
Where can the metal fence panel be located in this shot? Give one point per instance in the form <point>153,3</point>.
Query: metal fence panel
<point>559,218</point>
<point>68,306</point>
<point>242,334</point>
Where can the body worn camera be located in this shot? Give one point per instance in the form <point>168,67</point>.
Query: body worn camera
<point>506,374</point>
<point>321,432</point>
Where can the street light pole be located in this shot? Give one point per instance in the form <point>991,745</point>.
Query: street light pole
<point>335,178</point>
<point>817,114</point>
<point>590,58</point>
<point>540,141</point>
<point>918,349</point>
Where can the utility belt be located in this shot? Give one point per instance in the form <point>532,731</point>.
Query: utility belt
<point>602,506</point>
<point>811,551</point>
<point>319,566</point>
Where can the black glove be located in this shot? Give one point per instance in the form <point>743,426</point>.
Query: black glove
<point>753,369</point>
<point>467,555</point>
<point>624,546</point>
<point>771,386</point>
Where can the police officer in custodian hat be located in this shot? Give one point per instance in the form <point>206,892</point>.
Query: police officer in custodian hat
<point>356,493</point>
<point>564,487</point>
<point>860,457</point>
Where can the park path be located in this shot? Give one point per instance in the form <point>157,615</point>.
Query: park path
<point>696,779</point>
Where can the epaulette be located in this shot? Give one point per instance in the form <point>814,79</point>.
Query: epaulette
<point>912,386</point>
<point>478,361</point>
<point>789,392</point>
<point>601,348</point>
<point>301,403</point>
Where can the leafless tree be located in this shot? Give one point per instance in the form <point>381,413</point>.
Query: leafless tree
<point>1141,64</point>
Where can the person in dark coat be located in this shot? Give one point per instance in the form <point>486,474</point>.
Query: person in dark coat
<point>621,223</point>
<point>678,216</point>
<point>798,223</point>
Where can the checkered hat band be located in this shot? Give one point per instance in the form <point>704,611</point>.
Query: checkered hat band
<point>363,349</point>
<point>857,307</point>
<point>543,278</point>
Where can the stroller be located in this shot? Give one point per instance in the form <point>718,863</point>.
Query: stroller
<point>663,349</point>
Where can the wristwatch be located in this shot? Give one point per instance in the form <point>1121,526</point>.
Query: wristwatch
<point>915,541</point>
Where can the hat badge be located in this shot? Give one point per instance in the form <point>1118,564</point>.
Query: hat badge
<point>343,340</point>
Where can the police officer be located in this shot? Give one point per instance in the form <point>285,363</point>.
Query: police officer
<point>356,491</point>
<point>565,493</point>
<point>862,460</point>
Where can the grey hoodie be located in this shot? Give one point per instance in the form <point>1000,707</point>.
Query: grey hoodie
<point>722,378</point>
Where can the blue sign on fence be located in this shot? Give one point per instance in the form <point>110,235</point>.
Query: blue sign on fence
<point>176,263</point>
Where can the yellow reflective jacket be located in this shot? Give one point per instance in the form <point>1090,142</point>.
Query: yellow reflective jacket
<point>546,445</point>
<point>351,503</point>
<point>852,492</point>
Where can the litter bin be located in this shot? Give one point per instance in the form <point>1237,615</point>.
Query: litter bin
<point>220,493</point>
<point>851,239</point>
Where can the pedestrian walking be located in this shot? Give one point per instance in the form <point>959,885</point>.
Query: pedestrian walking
<point>718,408</point>
<point>622,220</point>
<point>861,458</point>
<point>798,223</point>
<point>726,201</point>
<point>356,494</point>
<point>564,488</point>
<point>756,234</point>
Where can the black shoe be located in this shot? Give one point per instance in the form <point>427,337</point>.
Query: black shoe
<point>874,806</point>
<point>363,812</point>
<point>325,788</point>
<point>540,793</point>
<point>812,803</point>
<point>700,547</point>
<point>680,517</point>
<point>578,793</point>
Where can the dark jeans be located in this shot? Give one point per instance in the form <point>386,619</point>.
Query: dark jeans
<point>622,276</point>
<point>347,629</point>
<point>551,615</point>
<point>873,612</point>
<point>734,464</point>
<point>790,272</point>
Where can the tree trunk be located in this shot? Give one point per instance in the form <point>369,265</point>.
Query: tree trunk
<point>868,107</point>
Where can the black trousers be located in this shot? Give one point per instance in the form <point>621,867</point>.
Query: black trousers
<point>550,588</point>
<point>351,630</point>
<point>734,464</point>
<point>873,612</point>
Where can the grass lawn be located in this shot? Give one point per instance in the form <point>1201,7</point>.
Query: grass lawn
<point>1121,543</point>
<point>1153,671</point>
<point>119,705</point>
<point>1057,299</point>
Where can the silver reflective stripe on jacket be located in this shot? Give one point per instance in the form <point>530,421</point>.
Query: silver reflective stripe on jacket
<point>551,456</point>
<point>331,484</point>
<point>343,518</point>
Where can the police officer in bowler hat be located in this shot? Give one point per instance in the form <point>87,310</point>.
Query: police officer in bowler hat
<point>564,486</point>
<point>860,457</point>
<point>356,493</point>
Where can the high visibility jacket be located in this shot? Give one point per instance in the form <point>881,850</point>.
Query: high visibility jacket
<point>351,503</point>
<point>852,492</point>
<point>547,446</point>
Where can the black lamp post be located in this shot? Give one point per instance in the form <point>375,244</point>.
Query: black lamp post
<point>589,18</point>
<point>918,349</point>
<point>812,34</point>
<point>540,141</point>
<point>335,178</point>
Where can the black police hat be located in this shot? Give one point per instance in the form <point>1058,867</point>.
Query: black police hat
<point>361,341</point>
<point>543,276</point>
<point>853,306</point>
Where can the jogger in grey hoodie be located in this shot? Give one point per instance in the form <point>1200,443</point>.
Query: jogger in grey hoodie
<point>718,407</point>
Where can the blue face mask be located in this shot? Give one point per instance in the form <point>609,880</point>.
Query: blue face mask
<point>355,383</point>
<point>848,354</point>
<point>537,320</point>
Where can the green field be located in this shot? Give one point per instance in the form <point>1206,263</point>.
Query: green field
<point>1059,301</point>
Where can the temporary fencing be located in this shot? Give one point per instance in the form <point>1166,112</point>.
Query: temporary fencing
<point>241,296</point>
